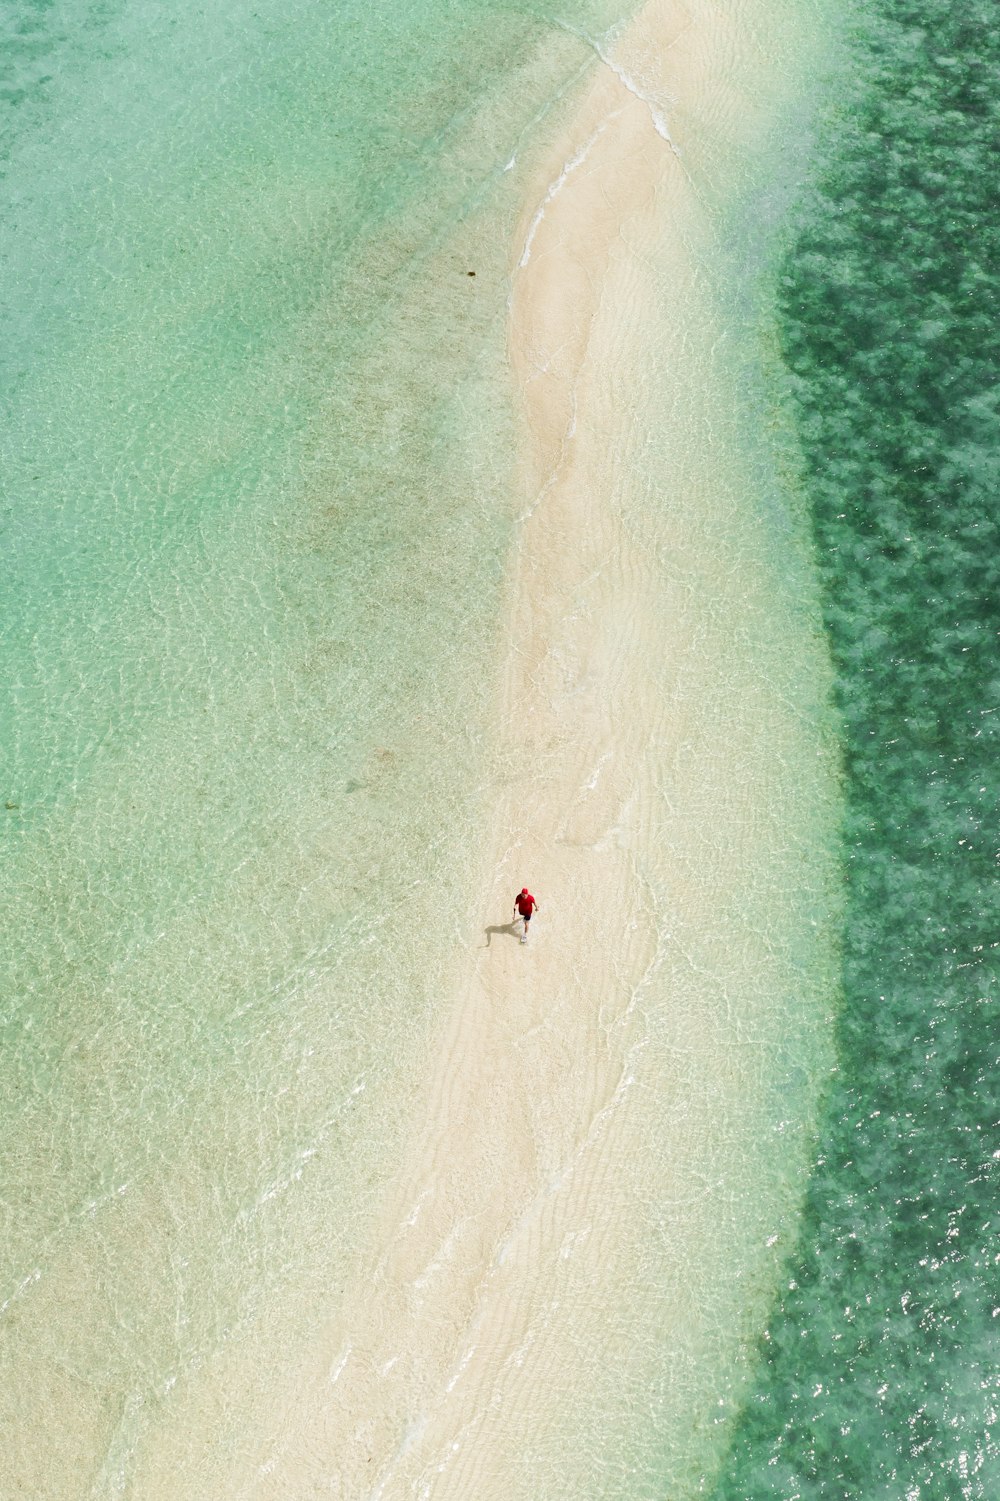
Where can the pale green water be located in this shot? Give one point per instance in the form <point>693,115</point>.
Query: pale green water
<point>256,455</point>
<point>252,551</point>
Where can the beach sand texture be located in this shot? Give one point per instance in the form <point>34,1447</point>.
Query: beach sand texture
<point>582,1233</point>
<point>322,1183</point>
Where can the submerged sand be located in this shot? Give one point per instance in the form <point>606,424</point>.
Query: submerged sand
<point>478,1355</point>
<point>526,1322</point>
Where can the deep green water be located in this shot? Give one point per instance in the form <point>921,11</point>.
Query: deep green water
<point>879,1370</point>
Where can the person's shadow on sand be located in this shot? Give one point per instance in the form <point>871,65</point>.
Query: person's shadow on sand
<point>510,928</point>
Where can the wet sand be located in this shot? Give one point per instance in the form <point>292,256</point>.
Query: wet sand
<point>478,1330</point>
<point>490,1346</point>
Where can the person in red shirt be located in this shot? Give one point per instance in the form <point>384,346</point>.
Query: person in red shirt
<point>524,906</point>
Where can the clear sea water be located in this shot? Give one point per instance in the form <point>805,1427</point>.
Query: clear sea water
<point>879,1368</point>
<point>255,521</point>
<point>257,449</point>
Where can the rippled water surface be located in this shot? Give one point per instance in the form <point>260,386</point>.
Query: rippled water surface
<point>879,1370</point>
<point>257,509</point>
<point>254,529</point>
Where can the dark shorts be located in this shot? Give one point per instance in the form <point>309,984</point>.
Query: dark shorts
<point>525,915</point>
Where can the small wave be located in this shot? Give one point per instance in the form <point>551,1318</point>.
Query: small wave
<point>555,187</point>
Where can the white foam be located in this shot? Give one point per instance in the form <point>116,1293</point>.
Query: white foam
<point>656,114</point>
<point>555,187</point>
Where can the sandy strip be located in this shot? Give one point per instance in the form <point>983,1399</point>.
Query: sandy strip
<point>453,1358</point>
<point>463,1351</point>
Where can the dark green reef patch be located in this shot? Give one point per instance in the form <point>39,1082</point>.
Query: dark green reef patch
<point>879,1373</point>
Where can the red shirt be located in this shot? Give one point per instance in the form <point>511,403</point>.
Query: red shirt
<point>525,903</point>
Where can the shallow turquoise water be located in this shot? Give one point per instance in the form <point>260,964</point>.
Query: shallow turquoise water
<point>257,508</point>
<point>254,526</point>
<point>879,1370</point>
